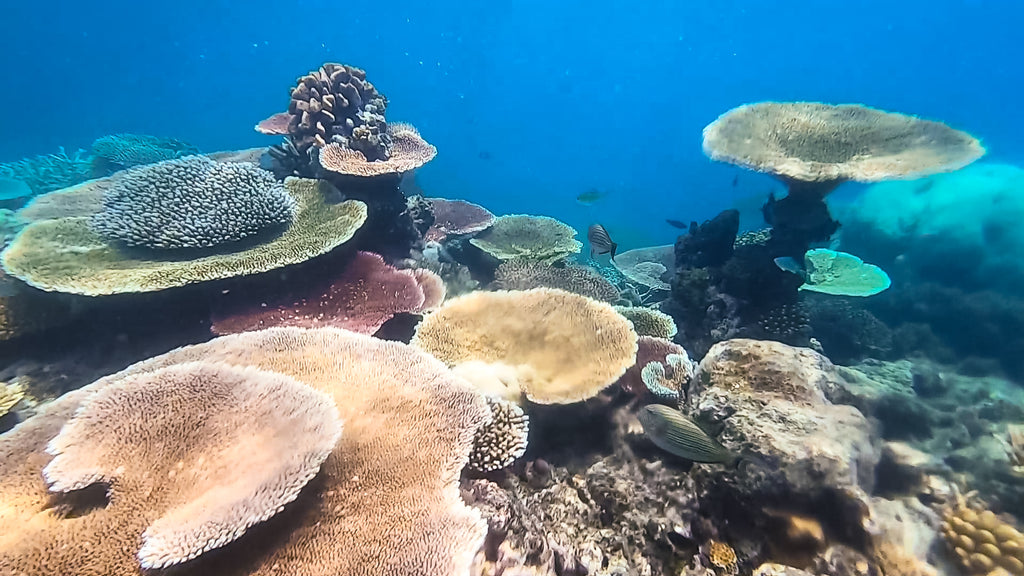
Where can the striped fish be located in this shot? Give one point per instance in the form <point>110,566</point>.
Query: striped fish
<point>673,432</point>
<point>600,241</point>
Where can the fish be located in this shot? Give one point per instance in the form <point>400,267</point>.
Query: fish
<point>790,264</point>
<point>484,155</point>
<point>590,197</point>
<point>677,223</point>
<point>600,241</point>
<point>673,432</point>
<point>735,180</point>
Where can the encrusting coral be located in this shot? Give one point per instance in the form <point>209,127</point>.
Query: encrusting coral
<point>366,294</point>
<point>386,499</point>
<point>526,237</point>
<point>192,202</point>
<point>502,440</point>
<point>503,342</point>
<point>984,543</point>
<point>66,255</point>
<point>527,274</point>
<point>456,217</point>
<point>648,321</point>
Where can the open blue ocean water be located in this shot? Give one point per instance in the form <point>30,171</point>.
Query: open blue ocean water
<point>728,288</point>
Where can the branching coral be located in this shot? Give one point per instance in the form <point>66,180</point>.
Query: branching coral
<point>553,346</point>
<point>367,293</point>
<point>502,440</point>
<point>192,202</point>
<point>525,274</point>
<point>49,172</point>
<point>648,321</point>
<point>525,237</point>
<point>10,395</point>
<point>120,151</point>
<point>66,255</point>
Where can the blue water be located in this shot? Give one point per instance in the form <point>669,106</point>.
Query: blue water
<point>530,103</point>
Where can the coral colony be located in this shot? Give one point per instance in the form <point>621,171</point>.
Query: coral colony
<point>356,380</point>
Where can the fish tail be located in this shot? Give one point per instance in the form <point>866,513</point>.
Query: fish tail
<point>614,248</point>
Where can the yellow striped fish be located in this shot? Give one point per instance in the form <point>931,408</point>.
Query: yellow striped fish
<point>673,432</point>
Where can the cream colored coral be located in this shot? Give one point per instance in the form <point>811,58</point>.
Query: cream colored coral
<point>649,322</point>
<point>386,500</point>
<point>10,395</point>
<point>983,542</point>
<point>502,440</point>
<point>554,346</point>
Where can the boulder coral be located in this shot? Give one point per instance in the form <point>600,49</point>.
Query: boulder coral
<point>386,499</point>
<point>552,346</point>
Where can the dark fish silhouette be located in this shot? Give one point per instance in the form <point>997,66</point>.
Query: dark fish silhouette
<point>677,223</point>
<point>735,180</point>
<point>484,155</point>
<point>600,241</point>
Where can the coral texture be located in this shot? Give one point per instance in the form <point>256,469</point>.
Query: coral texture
<point>983,542</point>
<point>651,267</point>
<point>553,346</point>
<point>119,151</point>
<point>527,274</point>
<point>502,440</point>
<point>648,321</point>
<point>200,452</point>
<point>65,255</point>
<point>457,217</point>
<point>366,294</point>
<point>409,151</point>
<point>649,349</point>
<point>670,379</point>
<point>386,499</point>
<point>192,202</point>
<point>525,237</point>
<point>808,141</point>
<point>10,395</point>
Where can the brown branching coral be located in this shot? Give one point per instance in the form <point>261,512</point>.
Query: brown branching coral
<point>502,440</point>
<point>553,346</point>
<point>983,542</point>
<point>526,274</point>
<point>386,499</point>
<point>200,452</point>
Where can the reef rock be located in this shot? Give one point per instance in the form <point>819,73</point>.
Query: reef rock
<point>804,454</point>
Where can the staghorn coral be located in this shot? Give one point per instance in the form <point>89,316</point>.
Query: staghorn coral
<point>49,172</point>
<point>649,349</point>
<point>192,202</point>
<point>65,255</point>
<point>366,294</point>
<point>409,151</point>
<point>552,346</point>
<point>456,217</point>
<point>386,499</point>
<point>526,274</point>
<point>813,142</point>
<point>525,237</point>
<point>120,151</point>
<point>501,441</point>
<point>651,267</point>
<point>648,321</point>
<point>194,455</point>
<point>983,542</point>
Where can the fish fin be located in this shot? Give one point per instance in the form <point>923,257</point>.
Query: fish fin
<point>614,248</point>
<point>789,264</point>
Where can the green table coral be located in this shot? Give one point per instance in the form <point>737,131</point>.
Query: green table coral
<point>842,274</point>
<point>525,237</point>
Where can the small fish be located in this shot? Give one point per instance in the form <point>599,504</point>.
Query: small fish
<point>600,241</point>
<point>735,180</point>
<point>484,155</point>
<point>790,264</point>
<point>677,223</point>
<point>590,197</point>
<point>673,432</point>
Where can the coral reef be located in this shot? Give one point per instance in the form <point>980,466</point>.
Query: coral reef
<point>367,293</point>
<point>709,244</point>
<point>525,237</point>
<point>409,151</point>
<point>66,255</point>
<point>10,395</point>
<point>669,380</point>
<point>649,349</point>
<point>120,151</point>
<point>789,324</point>
<point>651,267</point>
<point>500,341</point>
<point>388,489</point>
<point>527,274</point>
<point>49,172</point>
<point>983,542</point>
<point>192,202</point>
<point>648,321</point>
<point>455,218</point>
